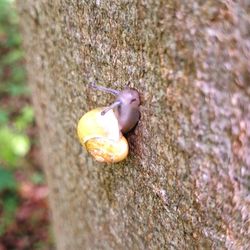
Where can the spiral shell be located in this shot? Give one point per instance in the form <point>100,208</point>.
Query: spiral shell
<point>101,136</point>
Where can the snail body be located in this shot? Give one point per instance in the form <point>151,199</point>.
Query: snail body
<point>100,130</point>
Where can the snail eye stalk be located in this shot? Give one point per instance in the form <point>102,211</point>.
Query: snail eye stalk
<point>104,89</point>
<point>115,104</point>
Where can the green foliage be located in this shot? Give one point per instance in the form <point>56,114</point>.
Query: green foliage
<point>14,142</point>
<point>13,146</point>
<point>12,57</point>
<point>25,119</point>
<point>7,180</point>
<point>9,201</point>
<point>9,23</point>
<point>16,125</point>
<point>9,207</point>
<point>15,89</point>
<point>15,120</point>
<point>4,117</point>
<point>12,73</point>
<point>37,178</point>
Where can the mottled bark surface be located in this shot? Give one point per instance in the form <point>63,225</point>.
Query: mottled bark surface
<point>186,182</point>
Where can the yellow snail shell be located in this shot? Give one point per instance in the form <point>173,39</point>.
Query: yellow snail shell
<point>101,136</point>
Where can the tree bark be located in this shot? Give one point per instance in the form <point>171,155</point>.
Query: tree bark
<point>185,184</point>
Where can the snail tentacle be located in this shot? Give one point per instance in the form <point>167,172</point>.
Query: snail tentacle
<point>108,90</point>
<point>112,106</point>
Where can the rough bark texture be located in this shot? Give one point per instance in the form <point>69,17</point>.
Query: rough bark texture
<point>185,184</point>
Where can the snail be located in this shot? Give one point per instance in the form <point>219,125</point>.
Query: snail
<point>101,130</point>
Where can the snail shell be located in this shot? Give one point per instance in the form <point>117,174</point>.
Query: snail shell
<point>101,136</point>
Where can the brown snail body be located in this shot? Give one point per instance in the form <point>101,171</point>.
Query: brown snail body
<point>100,130</point>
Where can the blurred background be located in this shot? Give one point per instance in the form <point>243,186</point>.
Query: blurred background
<point>24,215</point>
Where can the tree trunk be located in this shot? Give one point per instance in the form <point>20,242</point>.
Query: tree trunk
<point>185,184</point>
